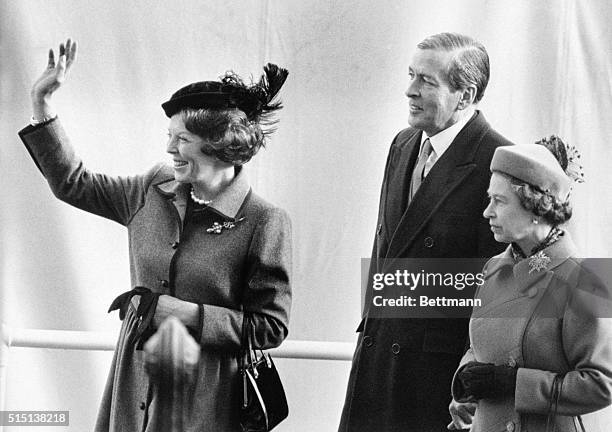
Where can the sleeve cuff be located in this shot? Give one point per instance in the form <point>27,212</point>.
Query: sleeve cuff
<point>198,332</point>
<point>532,392</point>
<point>43,121</point>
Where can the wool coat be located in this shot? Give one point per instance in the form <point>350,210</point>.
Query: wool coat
<point>243,269</point>
<point>547,321</point>
<point>402,368</point>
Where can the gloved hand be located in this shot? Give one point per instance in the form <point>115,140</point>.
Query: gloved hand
<point>486,380</point>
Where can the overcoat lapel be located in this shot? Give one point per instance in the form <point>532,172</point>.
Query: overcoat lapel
<point>394,198</point>
<point>447,174</point>
<point>522,281</point>
<point>526,275</point>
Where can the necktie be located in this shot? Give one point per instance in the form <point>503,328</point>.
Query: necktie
<point>417,173</point>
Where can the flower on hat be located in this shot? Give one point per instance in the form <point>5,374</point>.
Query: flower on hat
<point>567,155</point>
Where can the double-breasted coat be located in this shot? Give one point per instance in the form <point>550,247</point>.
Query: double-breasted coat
<point>246,268</point>
<point>402,368</point>
<point>547,321</point>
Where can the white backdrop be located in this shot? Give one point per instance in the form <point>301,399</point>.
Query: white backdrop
<point>551,73</point>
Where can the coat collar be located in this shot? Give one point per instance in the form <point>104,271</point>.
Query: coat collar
<point>227,203</point>
<point>449,171</point>
<point>443,139</point>
<point>524,273</point>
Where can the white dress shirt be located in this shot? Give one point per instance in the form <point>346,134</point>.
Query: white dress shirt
<point>441,141</point>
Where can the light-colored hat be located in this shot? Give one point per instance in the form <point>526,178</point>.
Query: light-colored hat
<point>534,164</point>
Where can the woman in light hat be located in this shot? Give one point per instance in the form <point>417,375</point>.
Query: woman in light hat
<point>203,247</point>
<point>540,355</point>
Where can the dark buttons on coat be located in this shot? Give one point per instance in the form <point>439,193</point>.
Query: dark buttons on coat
<point>174,245</point>
<point>395,348</point>
<point>142,406</point>
<point>367,341</point>
<point>429,242</point>
<point>164,283</point>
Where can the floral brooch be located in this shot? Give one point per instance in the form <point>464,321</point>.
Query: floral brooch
<point>538,262</point>
<point>217,228</point>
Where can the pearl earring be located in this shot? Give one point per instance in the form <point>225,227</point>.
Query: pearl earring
<point>535,221</point>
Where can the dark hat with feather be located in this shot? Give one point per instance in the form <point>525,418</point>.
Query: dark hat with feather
<point>255,99</point>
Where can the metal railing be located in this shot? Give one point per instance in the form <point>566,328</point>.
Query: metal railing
<point>105,341</point>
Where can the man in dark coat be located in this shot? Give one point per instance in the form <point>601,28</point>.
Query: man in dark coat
<point>431,204</point>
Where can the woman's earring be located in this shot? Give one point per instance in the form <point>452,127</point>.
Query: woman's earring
<point>535,221</point>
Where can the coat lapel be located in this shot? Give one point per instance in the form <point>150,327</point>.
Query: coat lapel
<point>496,263</point>
<point>176,193</point>
<point>446,175</point>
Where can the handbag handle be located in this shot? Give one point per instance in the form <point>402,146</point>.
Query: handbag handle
<point>248,353</point>
<point>553,404</point>
<point>245,343</point>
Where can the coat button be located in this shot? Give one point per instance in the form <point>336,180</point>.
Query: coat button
<point>429,242</point>
<point>174,245</point>
<point>367,341</point>
<point>511,362</point>
<point>379,230</point>
<point>142,406</point>
<point>532,292</point>
<point>395,348</point>
<point>164,283</point>
<point>510,427</point>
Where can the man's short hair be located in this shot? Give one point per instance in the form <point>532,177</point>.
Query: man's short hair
<point>469,65</point>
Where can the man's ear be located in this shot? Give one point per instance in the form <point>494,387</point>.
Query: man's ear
<point>468,97</point>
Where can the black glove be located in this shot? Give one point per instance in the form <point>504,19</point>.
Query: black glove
<point>122,302</point>
<point>144,313</point>
<point>486,381</point>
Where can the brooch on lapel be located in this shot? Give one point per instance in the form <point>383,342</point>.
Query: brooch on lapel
<point>538,262</point>
<point>217,227</point>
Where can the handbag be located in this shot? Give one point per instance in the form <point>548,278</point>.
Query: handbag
<point>263,404</point>
<point>553,404</point>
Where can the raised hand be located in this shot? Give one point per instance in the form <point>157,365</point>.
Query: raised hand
<point>52,79</point>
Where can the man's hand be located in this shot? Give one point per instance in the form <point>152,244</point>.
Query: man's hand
<point>462,414</point>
